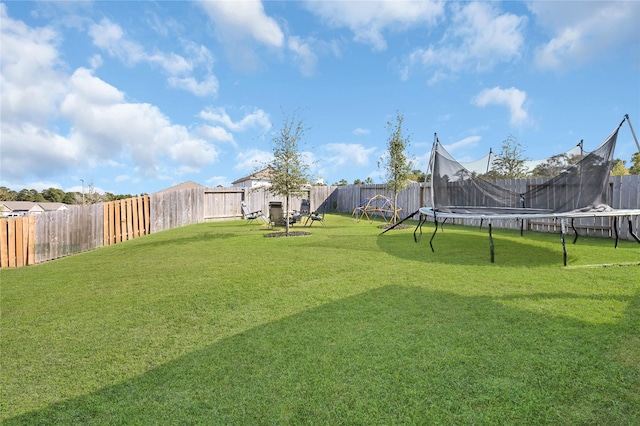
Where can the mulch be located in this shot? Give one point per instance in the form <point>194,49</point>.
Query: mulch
<point>284,234</point>
<point>390,225</point>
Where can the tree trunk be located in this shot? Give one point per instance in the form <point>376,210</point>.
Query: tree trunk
<point>286,215</point>
<point>395,207</point>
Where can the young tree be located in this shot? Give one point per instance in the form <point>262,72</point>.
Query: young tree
<point>289,171</point>
<point>509,164</point>
<point>395,162</point>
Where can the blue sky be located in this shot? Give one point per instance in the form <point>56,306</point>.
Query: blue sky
<point>135,97</point>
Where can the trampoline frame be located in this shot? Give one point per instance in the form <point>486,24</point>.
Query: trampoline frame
<point>521,215</point>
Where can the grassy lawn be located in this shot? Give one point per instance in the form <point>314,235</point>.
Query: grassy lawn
<point>213,323</point>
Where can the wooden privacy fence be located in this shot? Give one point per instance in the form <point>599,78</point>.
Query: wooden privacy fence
<point>38,238</point>
<point>126,219</point>
<point>35,239</point>
<point>17,241</point>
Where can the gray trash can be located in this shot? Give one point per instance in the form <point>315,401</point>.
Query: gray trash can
<point>275,213</point>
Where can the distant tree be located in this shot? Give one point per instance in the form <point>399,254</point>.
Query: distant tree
<point>555,165</point>
<point>29,195</point>
<point>417,175</point>
<point>53,195</point>
<point>619,168</point>
<point>368,181</point>
<point>290,173</point>
<point>108,196</point>
<point>90,196</point>
<point>357,182</point>
<point>70,197</point>
<point>7,194</point>
<point>342,182</point>
<point>509,163</point>
<point>635,166</point>
<point>395,162</point>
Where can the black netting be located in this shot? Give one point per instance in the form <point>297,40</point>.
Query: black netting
<point>580,187</point>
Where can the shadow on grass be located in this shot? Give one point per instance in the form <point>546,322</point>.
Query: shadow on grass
<point>464,246</point>
<point>391,355</point>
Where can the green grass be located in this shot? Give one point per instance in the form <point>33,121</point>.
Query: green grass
<point>213,323</point>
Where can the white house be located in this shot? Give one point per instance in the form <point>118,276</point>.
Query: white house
<point>19,208</point>
<point>255,180</point>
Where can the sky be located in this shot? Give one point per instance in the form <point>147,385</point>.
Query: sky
<point>134,97</point>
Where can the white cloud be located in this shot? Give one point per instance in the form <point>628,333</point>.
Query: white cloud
<point>105,127</point>
<point>478,37</point>
<point>368,20</point>
<point>208,87</point>
<point>25,148</point>
<point>360,131</point>
<point>583,31</point>
<point>110,37</point>
<point>95,62</point>
<point>32,83</point>
<point>257,119</point>
<point>252,160</point>
<point>463,143</point>
<point>216,133</point>
<point>343,154</point>
<point>242,19</point>
<point>193,154</point>
<point>239,26</point>
<point>512,98</point>
<point>303,54</point>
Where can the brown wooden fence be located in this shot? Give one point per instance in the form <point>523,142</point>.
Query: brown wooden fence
<point>17,241</point>
<point>51,235</point>
<point>126,219</point>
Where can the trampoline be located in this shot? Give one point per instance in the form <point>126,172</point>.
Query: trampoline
<point>577,192</point>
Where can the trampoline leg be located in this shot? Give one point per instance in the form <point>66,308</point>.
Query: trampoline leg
<point>421,221</point>
<point>615,230</point>
<point>491,243</point>
<point>574,230</point>
<point>563,230</point>
<point>435,220</point>
<point>633,234</point>
<point>521,227</point>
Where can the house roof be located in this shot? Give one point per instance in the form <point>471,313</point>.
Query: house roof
<point>184,185</point>
<point>49,207</point>
<point>23,206</point>
<point>264,174</point>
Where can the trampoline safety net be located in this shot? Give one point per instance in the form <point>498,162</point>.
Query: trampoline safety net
<point>580,187</point>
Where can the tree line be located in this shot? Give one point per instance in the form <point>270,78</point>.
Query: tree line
<point>55,195</point>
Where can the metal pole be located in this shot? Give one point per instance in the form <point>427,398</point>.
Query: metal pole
<point>632,132</point>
